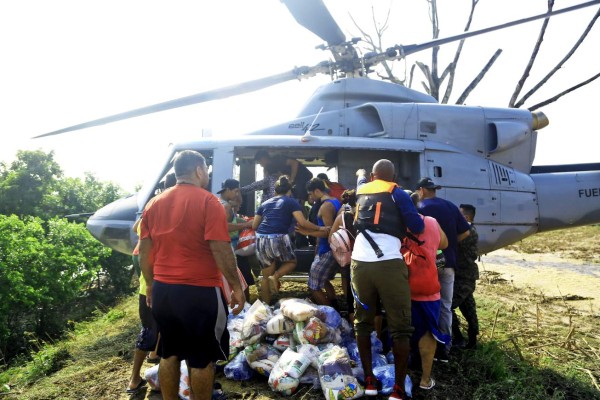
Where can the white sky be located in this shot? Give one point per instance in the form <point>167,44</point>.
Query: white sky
<point>69,61</point>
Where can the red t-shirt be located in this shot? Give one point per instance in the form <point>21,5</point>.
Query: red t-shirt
<point>181,221</point>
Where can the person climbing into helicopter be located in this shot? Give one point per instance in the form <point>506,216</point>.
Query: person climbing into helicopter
<point>272,223</point>
<point>456,228</point>
<point>324,264</point>
<point>297,172</point>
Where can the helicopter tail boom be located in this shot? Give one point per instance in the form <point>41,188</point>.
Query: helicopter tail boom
<point>567,199</point>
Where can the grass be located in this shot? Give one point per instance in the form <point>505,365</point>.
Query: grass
<point>531,348</point>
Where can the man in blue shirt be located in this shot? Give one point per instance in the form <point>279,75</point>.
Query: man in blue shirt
<point>456,228</point>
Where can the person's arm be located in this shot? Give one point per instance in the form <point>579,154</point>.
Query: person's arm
<point>256,221</point>
<point>293,164</point>
<point>463,236</point>
<point>410,216</point>
<point>337,223</point>
<point>225,259</point>
<point>258,185</point>
<point>147,266</point>
<point>443,238</point>
<point>238,226</point>
<point>327,214</point>
<point>306,224</point>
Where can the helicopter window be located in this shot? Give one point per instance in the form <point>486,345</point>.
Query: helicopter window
<point>437,172</point>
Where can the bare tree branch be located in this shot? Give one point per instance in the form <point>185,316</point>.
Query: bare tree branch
<point>561,94</point>
<point>451,68</point>
<point>561,63</point>
<point>376,45</point>
<point>532,59</point>
<point>463,97</point>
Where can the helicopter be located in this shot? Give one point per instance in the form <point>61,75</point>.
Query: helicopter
<point>479,155</point>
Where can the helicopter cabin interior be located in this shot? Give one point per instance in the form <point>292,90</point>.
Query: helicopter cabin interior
<point>339,164</point>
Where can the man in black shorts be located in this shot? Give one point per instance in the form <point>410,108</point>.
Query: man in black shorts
<point>184,252</point>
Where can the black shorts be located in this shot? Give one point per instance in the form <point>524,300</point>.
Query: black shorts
<point>244,266</point>
<point>146,340</point>
<point>192,321</point>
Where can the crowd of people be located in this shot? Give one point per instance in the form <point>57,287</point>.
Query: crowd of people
<point>393,275</point>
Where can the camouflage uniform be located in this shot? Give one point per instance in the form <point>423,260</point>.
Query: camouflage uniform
<point>466,274</point>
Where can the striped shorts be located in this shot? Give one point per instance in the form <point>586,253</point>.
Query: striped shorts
<point>321,270</point>
<point>274,247</point>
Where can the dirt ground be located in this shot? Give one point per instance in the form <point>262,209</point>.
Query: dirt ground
<point>524,283</point>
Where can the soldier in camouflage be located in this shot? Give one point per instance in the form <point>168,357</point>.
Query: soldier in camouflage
<point>465,279</point>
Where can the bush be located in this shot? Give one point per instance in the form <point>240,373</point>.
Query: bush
<point>45,268</point>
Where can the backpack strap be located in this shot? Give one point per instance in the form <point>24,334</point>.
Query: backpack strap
<point>374,245</point>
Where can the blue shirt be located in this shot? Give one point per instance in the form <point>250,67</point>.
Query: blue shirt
<point>451,221</point>
<point>324,242</point>
<point>277,214</point>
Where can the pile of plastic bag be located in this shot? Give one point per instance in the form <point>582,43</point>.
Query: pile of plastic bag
<point>297,342</point>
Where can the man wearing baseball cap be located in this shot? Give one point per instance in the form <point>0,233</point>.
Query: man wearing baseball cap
<point>456,228</point>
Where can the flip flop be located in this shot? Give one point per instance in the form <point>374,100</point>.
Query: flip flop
<point>430,386</point>
<point>140,385</point>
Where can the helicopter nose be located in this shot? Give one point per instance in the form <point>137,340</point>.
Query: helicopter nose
<point>112,224</point>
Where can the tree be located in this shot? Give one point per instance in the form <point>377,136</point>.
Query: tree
<point>34,185</point>
<point>440,86</point>
<point>26,184</point>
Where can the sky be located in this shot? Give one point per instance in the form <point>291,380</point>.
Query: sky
<point>69,61</point>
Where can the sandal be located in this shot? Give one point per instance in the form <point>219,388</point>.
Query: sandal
<point>155,360</point>
<point>137,388</point>
<point>430,386</point>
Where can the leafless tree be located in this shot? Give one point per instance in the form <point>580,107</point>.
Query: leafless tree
<point>434,82</point>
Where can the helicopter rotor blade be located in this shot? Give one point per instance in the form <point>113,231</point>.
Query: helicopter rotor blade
<point>401,51</point>
<point>314,16</point>
<point>216,94</point>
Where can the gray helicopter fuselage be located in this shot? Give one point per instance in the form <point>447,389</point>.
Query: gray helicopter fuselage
<point>480,156</point>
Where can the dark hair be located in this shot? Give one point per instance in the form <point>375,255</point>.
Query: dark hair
<point>316,183</point>
<point>187,161</point>
<point>349,197</point>
<point>469,209</point>
<point>323,176</point>
<point>283,185</point>
<point>170,180</point>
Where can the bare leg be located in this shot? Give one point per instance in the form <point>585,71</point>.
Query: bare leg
<point>401,349</point>
<point>138,360</point>
<point>169,378</point>
<point>265,293</point>
<point>330,292</point>
<point>427,346</point>
<point>285,269</point>
<point>320,298</point>
<point>201,382</point>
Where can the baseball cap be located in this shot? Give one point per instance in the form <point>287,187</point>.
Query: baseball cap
<point>427,183</point>
<point>229,184</point>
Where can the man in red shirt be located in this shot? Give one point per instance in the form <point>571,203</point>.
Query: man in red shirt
<point>184,248</point>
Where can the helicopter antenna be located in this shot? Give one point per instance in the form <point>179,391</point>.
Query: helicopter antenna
<point>307,136</point>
